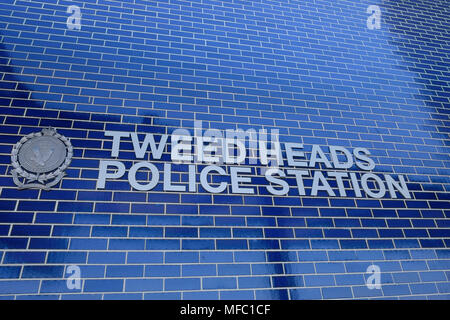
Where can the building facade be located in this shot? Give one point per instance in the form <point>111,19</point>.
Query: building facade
<point>115,116</point>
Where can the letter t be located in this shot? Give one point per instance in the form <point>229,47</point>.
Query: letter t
<point>117,135</point>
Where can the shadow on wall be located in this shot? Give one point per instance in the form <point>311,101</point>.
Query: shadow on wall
<point>422,42</point>
<point>13,92</point>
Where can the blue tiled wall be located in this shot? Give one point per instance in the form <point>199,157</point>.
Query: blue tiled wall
<point>311,69</point>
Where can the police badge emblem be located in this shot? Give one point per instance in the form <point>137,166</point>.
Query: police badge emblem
<point>40,159</point>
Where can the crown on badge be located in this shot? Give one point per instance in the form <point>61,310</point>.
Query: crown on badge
<point>48,131</point>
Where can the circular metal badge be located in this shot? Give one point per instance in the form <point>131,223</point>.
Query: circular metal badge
<point>39,159</point>
<point>42,154</point>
